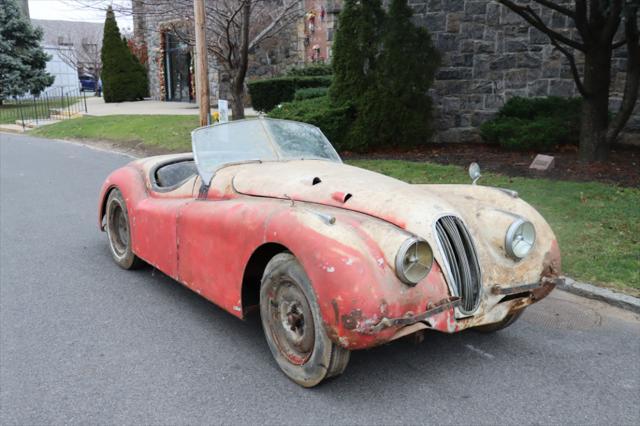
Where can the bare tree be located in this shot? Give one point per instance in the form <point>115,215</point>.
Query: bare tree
<point>84,56</point>
<point>235,29</point>
<point>597,23</point>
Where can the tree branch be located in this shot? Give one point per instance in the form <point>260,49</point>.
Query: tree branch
<point>574,68</point>
<point>272,25</point>
<point>534,20</point>
<point>561,9</point>
<point>580,18</point>
<point>613,21</point>
<point>618,44</point>
<point>632,81</point>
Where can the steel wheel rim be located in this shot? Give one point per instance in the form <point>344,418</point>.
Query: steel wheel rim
<point>291,322</point>
<point>118,229</point>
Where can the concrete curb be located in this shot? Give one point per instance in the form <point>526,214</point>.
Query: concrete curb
<point>590,291</point>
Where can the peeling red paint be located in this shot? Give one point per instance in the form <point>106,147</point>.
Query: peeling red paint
<point>206,243</point>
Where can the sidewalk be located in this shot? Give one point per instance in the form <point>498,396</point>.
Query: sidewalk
<point>97,106</point>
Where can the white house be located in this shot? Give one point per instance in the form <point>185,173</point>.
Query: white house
<point>66,75</point>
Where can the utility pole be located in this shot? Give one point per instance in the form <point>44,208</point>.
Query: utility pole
<point>202,70</point>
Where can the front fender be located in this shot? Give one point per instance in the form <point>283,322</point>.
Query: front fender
<point>351,267</point>
<point>130,182</point>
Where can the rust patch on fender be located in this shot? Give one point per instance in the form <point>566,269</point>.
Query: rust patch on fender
<point>336,311</point>
<point>350,321</point>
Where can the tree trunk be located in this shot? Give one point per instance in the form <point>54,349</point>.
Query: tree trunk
<point>237,82</point>
<point>632,80</point>
<point>595,107</point>
<point>237,100</point>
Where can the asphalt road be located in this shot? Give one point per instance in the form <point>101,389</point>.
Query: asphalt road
<point>84,342</point>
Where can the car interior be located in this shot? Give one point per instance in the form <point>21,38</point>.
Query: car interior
<point>175,173</point>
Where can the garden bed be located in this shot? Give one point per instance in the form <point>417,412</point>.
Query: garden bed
<point>623,167</point>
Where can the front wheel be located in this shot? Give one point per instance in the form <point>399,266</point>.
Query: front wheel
<point>119,232</point>
<point>293,326</point>
<point>506,322</point>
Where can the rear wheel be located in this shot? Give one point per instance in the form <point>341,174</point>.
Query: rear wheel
<point>506,322</point>
<point>293,326</point>
<point>119,232</point>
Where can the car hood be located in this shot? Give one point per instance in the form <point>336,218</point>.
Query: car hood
<point>486,211</point>
<point>342,186</point>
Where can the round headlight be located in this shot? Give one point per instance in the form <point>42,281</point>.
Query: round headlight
<point>413,261</point>
<point>521,236</point>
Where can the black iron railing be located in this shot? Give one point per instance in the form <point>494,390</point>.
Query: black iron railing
<point>32,111</point>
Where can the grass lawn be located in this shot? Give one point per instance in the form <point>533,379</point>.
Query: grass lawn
<point>160,132</point>
<point>597,225</point>
<point>9,112</point>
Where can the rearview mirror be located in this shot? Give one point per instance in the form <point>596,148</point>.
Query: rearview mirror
<point>474,172</point>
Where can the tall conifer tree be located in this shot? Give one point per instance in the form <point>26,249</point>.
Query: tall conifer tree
<point>121,76</point>
<point>406,68</point>
<point>22,59</point>
<point>355,48</point>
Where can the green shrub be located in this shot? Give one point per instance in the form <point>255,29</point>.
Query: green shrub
<point>312,70</point>
<point>552,106</point>
<point>535,123</point>
<point>334,121</point>
<point>542,133</point>
<point>268,93</point>
<point>310,92</point>
<point>384,64</point>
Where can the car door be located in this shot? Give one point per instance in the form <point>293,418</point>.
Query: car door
<point>154,224</point>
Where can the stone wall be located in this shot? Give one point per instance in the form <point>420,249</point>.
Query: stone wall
<point>271,57</point>
<point>490,55</point>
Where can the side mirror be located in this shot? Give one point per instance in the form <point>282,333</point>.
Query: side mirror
<point>474,172</point>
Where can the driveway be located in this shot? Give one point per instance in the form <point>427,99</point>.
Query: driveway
<point>97,106</point>
<point>84,342</point>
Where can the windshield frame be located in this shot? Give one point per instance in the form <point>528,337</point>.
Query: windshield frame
<point>207,175</point>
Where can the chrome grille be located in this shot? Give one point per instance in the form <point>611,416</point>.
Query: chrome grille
<point>461,261</point>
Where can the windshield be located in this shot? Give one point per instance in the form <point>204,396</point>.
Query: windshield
<point>260,139</point>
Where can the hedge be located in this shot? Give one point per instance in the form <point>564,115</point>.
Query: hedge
<point>310,92</point>
<point>311,70</point>
<point>334,121</point>
<point>268,93</point>
<point>535,123</point>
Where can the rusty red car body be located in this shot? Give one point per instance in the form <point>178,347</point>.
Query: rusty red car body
<point>344,225</point>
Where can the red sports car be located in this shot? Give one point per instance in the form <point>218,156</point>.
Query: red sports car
<point>264,213</point>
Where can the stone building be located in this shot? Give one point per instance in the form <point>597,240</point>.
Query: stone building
<point>489,55</point>
<point>166,34</point>
<point>317,28</point>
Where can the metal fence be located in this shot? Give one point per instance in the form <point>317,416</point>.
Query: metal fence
<point>32,111</point>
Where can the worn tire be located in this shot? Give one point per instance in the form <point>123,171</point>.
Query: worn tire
<point>506,322</point>
<point>119,232</point>
<point>293,325</point>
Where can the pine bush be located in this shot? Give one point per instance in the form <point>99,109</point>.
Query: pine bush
<point>22,59</point>
<point>123,76</point>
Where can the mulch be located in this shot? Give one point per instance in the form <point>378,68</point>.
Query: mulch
<point>622,168</point>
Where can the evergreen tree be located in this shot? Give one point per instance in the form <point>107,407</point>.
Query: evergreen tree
<point>356,48</point>
<point>398,105</point>
<point>140,71</point>
<point>121,78</point>
<point>384,65</point>
<point>22,60</point>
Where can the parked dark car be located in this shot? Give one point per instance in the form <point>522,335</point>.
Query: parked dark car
<point>87,83</point>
